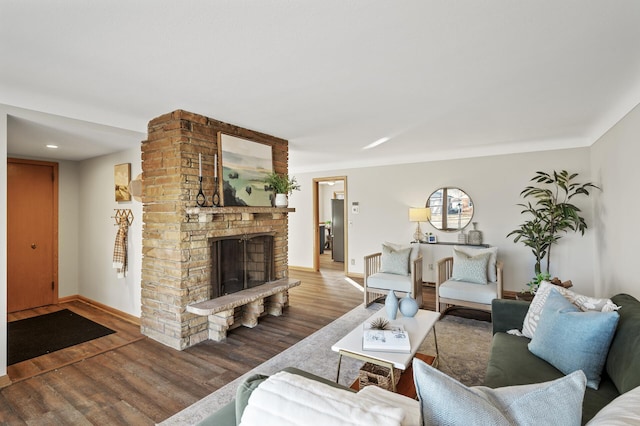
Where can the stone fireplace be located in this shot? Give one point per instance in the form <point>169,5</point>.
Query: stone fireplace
<point>182,242</point>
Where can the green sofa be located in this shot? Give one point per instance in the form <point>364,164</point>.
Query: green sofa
<point>511,363</point>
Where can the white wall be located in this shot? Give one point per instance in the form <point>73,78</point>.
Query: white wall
<point>69,206</point>
<point>97,232</point>
<point>494,183</point>
<point>615,164</point>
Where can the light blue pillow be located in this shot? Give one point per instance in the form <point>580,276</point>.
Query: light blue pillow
<point>471,269</point>
<point>445,401</point>
<point>571,340</point>
<point>395,261</point>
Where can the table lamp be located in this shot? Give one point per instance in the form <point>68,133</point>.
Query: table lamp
<point>419,214</point>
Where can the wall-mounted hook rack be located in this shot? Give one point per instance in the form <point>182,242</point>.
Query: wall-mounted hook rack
<point>123,215</point>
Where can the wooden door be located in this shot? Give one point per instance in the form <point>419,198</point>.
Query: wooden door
<point>32,238</point>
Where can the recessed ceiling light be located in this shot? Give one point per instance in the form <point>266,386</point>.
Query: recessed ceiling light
<point>376,143</point>
<point>51,146</point>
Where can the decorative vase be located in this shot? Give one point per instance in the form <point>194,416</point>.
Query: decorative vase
<point>474,237</point>
<point>408,306</point>
<point>281,200</point>
<point>391,305</point>
<point>462,238</point>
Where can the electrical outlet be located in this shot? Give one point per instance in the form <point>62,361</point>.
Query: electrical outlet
<point>353,261</point>
<point>431,266</point>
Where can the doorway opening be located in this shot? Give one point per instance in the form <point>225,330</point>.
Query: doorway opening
<point>330,223</point>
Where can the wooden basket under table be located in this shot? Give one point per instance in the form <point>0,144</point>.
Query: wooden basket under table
<point>375,375</point>
<point>405,385</point>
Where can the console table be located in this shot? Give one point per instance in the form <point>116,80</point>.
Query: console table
<point>451,243</point>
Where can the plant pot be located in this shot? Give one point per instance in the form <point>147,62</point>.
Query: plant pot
<point>524,296</point>
<point>281,200</point>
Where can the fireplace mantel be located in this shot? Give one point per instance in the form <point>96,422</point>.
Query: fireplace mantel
<point>247,212</point>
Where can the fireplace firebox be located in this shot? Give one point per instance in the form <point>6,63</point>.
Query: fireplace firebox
<point>240,262</point>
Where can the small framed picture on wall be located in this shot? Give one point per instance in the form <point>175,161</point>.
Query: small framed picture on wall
<point>122,177</point>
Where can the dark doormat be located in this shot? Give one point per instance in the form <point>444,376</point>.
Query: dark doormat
<point>32,337</point>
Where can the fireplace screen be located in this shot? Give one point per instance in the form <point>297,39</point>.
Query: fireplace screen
<point>240,262</point>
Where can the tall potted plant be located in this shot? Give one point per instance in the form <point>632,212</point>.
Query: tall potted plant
<point>281,185</point>
<point>550,213</point>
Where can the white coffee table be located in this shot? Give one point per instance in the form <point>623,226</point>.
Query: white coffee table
<point>417,327</point>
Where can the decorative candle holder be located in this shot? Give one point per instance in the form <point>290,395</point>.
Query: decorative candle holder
<point>216,196</point>
<point>201,200</point>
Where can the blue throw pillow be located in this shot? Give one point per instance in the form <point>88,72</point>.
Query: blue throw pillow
<point>571,340</point>
<point>445,401</point>
<point>395,261</point>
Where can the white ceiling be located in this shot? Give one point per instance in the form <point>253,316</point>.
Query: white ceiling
<point>441,79</point>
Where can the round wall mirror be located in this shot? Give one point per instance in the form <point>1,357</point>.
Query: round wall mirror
<point>451,209</point>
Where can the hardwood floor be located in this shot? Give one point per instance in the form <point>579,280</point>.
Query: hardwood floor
<point>126,378</point>
<point>126,333</point>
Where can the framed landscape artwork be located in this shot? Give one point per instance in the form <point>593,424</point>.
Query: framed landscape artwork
<point>245,164</point>
<point>122,177</point>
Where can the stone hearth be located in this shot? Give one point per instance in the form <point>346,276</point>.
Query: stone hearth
<point>177,235</point>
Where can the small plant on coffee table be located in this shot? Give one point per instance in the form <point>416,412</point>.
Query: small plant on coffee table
<point>379,324</point>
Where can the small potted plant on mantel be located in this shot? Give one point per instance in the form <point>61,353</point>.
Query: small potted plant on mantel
<point>281,185</point>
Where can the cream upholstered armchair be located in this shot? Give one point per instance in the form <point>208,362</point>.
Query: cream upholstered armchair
<point>472,277</point>
<point>397,268</point>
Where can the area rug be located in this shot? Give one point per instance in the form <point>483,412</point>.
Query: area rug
<point>36,336</point>
<point>463,346</point>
